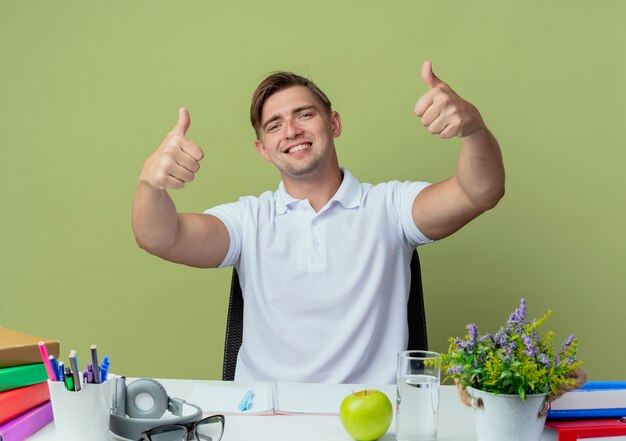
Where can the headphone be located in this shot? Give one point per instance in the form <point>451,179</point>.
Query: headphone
<point>129,419</point>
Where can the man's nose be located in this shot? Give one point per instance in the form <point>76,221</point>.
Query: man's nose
<point>292,129</point>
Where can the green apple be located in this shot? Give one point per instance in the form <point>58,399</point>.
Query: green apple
<point>366,415</point>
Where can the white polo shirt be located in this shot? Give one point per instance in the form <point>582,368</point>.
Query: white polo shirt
<point>325,293</point>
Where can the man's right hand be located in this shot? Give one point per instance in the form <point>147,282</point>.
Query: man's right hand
<point>176,161</point>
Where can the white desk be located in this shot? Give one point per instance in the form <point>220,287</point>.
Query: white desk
<point>455,422</point>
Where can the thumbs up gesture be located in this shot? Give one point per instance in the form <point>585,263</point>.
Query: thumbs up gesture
<point>444,112</point>
<point>176,161</point>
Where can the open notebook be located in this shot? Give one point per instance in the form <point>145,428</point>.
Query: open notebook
<point>278,398</point>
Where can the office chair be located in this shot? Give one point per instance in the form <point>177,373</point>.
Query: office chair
<point>416,319</point>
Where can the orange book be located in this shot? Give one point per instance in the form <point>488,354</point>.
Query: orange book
<point>18,401</point>
<point>18,348</point>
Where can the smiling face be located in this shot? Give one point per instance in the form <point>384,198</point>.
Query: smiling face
<point>297,135</point>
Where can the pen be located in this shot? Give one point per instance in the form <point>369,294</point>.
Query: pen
<point>104,369</point>
<point>75,372</point>
<point>94,363</point>
<point>55,368</point>
<point>46,361</point>
<point>245,401</point>
<point>61,371</point>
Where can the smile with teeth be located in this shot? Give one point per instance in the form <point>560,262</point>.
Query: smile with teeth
<point>299,147</point>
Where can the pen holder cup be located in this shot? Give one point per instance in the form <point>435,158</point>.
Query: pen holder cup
<point>82,415</point>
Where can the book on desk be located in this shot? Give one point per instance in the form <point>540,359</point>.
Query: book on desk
<point>597,410</point>
<point>24,395</point>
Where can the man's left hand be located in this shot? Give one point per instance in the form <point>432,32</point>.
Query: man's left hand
<point>443,111</point>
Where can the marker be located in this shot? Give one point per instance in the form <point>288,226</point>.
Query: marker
<point>46,361</point>
<point>104,369</point>
<point>88,376</point>
<point>94,362</point>
<point>55,368</point>
<point>245,401</point>
<point>69,380</point>
<point>75,374</point>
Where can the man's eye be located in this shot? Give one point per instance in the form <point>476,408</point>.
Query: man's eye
<point>305,115</point>
<point>272,128</point>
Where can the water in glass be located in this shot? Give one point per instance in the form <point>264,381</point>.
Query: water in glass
<point>418,407</point>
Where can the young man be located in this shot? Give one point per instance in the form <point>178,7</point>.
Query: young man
<point>324,260</point>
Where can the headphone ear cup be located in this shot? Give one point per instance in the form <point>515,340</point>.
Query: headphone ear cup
<point>152,388</point>
<point>118,403</point>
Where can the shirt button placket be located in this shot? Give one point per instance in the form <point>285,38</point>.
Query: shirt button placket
<point>315,240</point>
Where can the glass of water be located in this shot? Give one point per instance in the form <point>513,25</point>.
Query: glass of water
<point>418,396</point>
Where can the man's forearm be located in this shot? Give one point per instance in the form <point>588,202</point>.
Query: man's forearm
<point>480,171</point>
<point>154,218</point>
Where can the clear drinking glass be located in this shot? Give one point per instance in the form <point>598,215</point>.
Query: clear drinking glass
<point>418,396</point>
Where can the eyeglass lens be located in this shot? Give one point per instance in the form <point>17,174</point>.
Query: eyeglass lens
<point>208,429</point>
<point>168,433</point>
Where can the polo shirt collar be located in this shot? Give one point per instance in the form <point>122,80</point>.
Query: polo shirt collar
<point>349,194</point>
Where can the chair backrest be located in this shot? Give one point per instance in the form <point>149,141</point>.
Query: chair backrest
<point>416,319</point>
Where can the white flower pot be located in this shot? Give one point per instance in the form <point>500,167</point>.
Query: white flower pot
<point>508,417</point>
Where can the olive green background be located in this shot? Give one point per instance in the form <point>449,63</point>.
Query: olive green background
<point>89,89</point>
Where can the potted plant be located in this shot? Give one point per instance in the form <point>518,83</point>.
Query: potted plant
<point>509,377</point>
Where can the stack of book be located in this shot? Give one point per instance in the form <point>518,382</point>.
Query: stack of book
<point>597,410</point>
<point>24,396</point>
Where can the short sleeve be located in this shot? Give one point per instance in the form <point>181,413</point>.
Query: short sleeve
<point>231,215</point>
<point>406,192</point>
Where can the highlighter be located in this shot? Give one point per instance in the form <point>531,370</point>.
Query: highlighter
<point>69,380</point>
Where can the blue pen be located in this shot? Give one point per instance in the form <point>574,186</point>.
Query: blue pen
<point>245,401</point>
<point>104,369</point>
<point>61,371</point>
<point>55,367</point>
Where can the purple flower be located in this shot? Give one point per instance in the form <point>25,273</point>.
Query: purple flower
<point>473,333</point>
<point>460,344</point>
<point>486,338</point>
<point>454,370</point>
<point>567,343</point>
<point>531,350</point>
<point>500,338</point>
<point>544,360</point>
<point>518,319</point>
<point>509,350</point>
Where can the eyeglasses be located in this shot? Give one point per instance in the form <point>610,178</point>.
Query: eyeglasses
<point>209,429</point>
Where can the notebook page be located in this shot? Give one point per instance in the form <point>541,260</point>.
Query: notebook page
<point>592,399</point>
<point>320,399</point>
<point>224,398</point>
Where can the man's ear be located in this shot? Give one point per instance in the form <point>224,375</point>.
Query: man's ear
<point>261,149</point>
<point>335,122</point>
